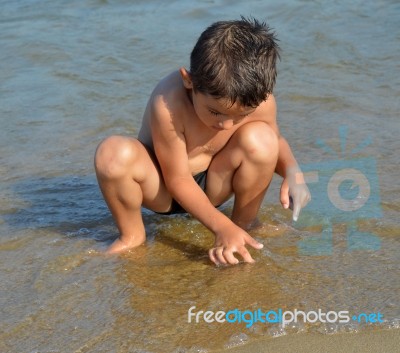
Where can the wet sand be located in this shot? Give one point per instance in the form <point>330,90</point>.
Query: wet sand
<point>385,341</point>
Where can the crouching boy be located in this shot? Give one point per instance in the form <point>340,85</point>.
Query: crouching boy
<point>208,133</point>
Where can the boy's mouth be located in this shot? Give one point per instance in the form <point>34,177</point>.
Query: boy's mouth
<point>218,128</point>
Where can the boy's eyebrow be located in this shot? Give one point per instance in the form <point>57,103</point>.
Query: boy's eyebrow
<point>217,111</point>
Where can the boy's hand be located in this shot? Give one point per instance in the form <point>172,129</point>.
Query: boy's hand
<point>232,240</point>
<point>295,190</point>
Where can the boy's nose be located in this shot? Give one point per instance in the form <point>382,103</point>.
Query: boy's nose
<point>226,124</point>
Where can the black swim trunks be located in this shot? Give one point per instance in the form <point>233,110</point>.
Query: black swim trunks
<point>200,179</point>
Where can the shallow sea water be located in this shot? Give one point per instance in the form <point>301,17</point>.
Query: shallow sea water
<point>74,72</point>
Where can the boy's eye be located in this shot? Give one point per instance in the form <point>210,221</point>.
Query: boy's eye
<point>214,113</point>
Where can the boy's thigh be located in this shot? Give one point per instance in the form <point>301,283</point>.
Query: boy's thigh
<point>222,170</point>
<point>225,163</point>
<point>145,170</point>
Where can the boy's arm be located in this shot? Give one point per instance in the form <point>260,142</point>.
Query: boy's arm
<point>294,189</point>
<point>170,148</point>
<point>293,185</point>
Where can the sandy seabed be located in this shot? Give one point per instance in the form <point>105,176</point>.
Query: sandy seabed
<point>384,341</point>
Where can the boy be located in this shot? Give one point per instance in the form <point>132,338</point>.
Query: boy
<point>207,134</point>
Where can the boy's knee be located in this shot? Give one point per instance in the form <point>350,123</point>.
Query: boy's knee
<point>114,156</point>
<point>259,142</point>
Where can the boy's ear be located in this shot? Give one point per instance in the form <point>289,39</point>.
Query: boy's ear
<point>186,78</point>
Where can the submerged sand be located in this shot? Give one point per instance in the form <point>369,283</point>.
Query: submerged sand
<point>384,341</point>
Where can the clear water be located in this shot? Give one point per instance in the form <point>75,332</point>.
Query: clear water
<point>74,72</point>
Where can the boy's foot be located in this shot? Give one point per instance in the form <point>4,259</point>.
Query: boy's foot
<point>118,246</point>
<point>255,224</point>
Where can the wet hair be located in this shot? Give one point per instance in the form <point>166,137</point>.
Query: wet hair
<point>236,60</point>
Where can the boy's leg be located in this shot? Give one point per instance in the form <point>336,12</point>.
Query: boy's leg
<point>129,178</point>
<point>244,167</point>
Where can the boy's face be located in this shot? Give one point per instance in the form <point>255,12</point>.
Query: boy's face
<point>216,113</point>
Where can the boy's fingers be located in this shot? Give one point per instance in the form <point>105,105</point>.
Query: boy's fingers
<point>254,243</point>
<point>212,257</point>
<point>285,195</point>
<point>245,255</point>
<point>219,255</point>
<point>296,210</point>
<point>229,257</point>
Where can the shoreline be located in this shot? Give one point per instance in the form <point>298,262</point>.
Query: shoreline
<point>385,341</point>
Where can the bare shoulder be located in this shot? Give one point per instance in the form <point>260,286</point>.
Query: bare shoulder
<point>165,106</point>
<point>169,95</point>
<point>267,112</point>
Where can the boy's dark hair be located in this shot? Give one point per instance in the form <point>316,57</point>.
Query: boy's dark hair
<point>235,60</point>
